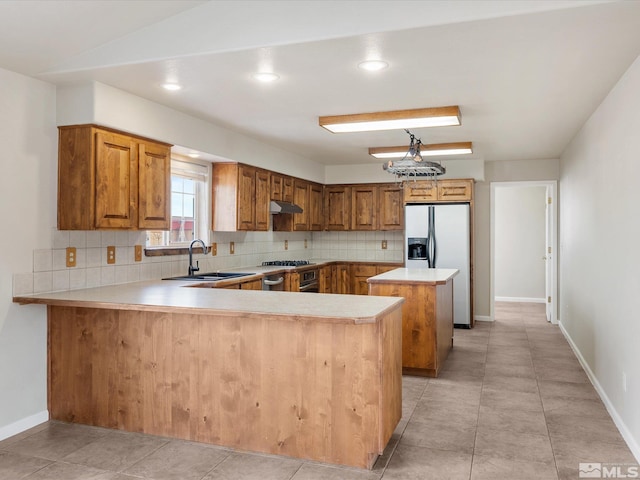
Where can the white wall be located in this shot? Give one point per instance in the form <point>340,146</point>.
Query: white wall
<point>600,253</point>
<point>28,136</point>
<point>519,228</point>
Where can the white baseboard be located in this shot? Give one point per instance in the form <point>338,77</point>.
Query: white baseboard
<point>622,428</point>
<point>23,424</point>
<point>482,318</point>
<point>520,299</point>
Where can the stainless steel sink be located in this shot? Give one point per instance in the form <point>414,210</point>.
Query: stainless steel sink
<point>211,276</point>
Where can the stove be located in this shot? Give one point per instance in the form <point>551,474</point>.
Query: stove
<point>286,263</point>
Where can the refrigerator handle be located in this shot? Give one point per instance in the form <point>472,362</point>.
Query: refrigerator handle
<point>432,250</point>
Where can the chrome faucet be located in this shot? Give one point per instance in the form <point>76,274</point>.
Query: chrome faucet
<point>193,269</point>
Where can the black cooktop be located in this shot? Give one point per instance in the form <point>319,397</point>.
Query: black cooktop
<point>286,263</point>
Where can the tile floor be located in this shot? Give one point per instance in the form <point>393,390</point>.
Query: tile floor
<point>512,402</point>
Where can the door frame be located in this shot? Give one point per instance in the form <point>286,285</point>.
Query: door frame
<point>551,281</point>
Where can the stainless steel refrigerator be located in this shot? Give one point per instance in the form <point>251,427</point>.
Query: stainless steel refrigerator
<point>438,236</point>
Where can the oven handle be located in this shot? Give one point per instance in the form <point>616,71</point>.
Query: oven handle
<point>273,282</point>
<point>309,286</point>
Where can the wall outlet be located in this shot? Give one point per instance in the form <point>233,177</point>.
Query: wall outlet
<point>214,249</point>
<point>137,249</point>
<point>384,244</point>
<point>305,243</point>
<point>286,244</point>
<point>111,255</point>
<point>71,256</point>
<point>232,247</point>
<point>624,382</point>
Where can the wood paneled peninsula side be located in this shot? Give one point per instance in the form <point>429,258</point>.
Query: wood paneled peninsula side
<point>427,315</point>
<point>298,374</point>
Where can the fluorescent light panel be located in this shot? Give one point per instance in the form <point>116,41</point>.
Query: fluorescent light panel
<point>398,119</point>
<point>432,150</point>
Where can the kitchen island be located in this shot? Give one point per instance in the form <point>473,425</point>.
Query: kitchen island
<point>303,375</point>
<point>427,315</point>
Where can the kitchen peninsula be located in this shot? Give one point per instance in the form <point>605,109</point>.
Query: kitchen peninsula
<point>427,315</point>
<point>303,375</point>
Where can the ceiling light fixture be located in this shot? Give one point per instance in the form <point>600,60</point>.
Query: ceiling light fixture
<point>399,119</point>
<point>431,150</point>
<point>373,65</point>
<point>172,87</point>
<point>266,77</point>
<point>193,154</point>
<point>412,165</point>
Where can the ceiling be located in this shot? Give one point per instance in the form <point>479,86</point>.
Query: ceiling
<point>526,74</point>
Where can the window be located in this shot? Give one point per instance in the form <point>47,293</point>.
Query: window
<point>189,206</point>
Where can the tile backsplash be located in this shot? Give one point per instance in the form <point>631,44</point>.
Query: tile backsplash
<point>50,272</point>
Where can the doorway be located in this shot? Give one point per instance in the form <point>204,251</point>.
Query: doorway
<point>524,244</point>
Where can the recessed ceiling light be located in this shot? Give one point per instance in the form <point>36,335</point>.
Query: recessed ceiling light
<point>373,65</point>
<point>172,87</point>
<point>265,77</point>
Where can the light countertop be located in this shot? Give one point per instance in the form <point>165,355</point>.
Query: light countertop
<point>434,276</point>
<point>174,296</point>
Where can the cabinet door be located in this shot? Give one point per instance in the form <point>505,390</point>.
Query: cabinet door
<point>390,209</point>
<point>325,279</point>
<point>246,203</point>
<point>364,199</point>
<point>287,189</point>
<point>420,191</point>
<point>315,207</point>
<point>361,272</point>
<point>276,186</point>
<point>337,208</point>
<point>252,285</point>
<point>343,283</point>
<point>301,198</point>
<point>455,190</point>
<point>116,181</point>
<point>262,200</point>
<point>154,186</point>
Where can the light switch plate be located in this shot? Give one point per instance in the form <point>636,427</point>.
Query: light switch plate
<point>305,243</point>
<point>111,255</point>
<point>286,244</point>
<point>138,253</point>
<point>384,244</point>
<point>214,249</point>
<point>232,248</point>
<point>71,256</point>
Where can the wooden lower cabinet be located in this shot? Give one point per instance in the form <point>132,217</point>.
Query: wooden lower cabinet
<point>297,386</point>
<point>360,273</point>
<point>427,324</point>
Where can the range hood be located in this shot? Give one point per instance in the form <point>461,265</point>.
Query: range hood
<point>284,207</point>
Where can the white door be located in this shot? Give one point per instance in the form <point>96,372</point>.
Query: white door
<point>549,254</point>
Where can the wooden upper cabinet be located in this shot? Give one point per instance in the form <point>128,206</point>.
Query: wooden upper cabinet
<point>455,190</point>
<point>281,187</point>
<point>337,207</point>
<point>301,198</point>
<point>420,191</point>
<point>391,207</point>
<point>154,187</point>
<point>364,201</point>
<point>262,200</point>
<point>446,190</point>
<point>240,198</point>
<point>112,180</point>
<point>315,207</point>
